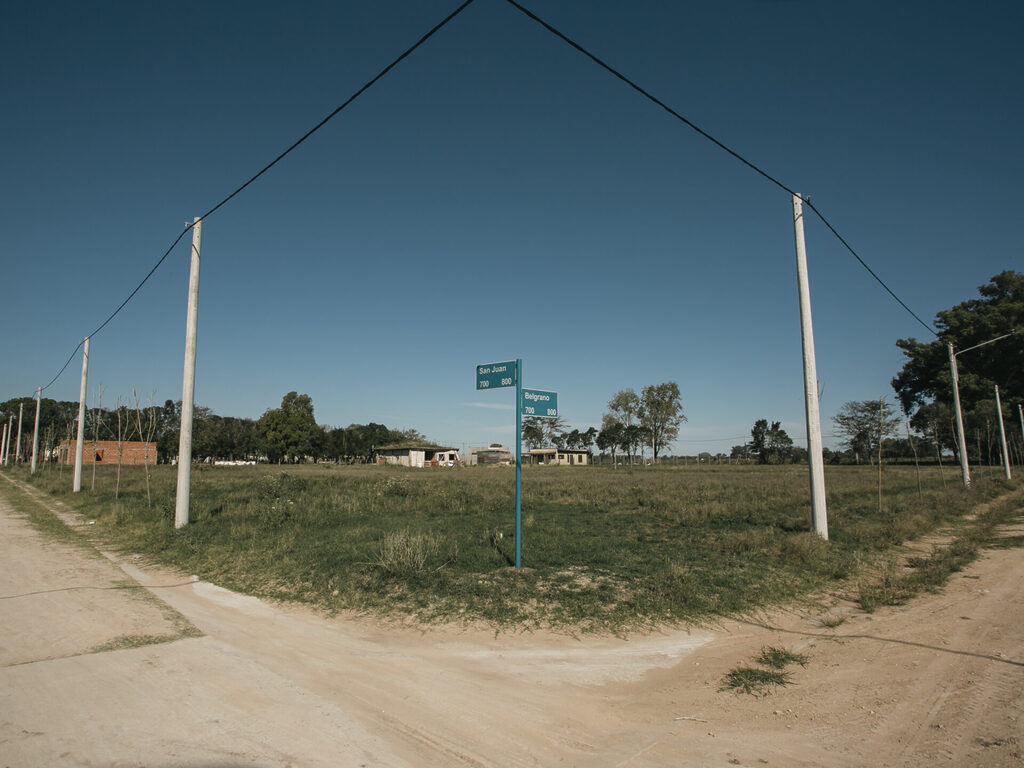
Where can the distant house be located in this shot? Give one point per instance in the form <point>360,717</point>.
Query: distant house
<point>106,452</point>
<point>492,456</point>
<point>572,457</point>
<point>418,455</point>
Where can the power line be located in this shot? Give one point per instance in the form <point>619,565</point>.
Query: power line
<point>369,84</point>
<point>721,146</point>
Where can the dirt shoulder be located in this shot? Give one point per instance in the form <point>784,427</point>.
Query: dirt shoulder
<point>939,681</point>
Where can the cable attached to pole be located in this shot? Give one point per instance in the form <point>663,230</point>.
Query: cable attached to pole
<point>650,97</point>
<point>369,84</point>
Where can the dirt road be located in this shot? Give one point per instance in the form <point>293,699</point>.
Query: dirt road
<point>106,664</point>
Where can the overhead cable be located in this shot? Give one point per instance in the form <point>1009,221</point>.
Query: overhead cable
<point>369,84</point>
<point>721,146</point>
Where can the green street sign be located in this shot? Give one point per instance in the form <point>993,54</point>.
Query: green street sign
<point>496,375</point>
<point>540,402</point>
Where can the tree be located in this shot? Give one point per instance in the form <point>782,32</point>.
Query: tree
<point>770,443</point>
<point>661,414</point>
<point>289,432</point>
<point>740,452</point>
<point>586,439</point>
<point>633,436</point>
<point>925,375</point>
<point>610,436</point>
<point>864,425</point>
<point>533,431</point>
<point>625,406</point>
<point>554,431</point>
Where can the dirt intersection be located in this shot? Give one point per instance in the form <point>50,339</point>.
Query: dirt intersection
<point>103,663</point>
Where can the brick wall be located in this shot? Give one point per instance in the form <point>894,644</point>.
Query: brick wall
<point>105,452</point>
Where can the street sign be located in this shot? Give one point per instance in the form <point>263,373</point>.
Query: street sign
<point>540,402</point>
<point>495,375</point>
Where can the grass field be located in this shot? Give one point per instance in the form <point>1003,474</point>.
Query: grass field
<point>603,549</point>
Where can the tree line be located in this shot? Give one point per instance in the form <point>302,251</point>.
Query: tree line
<point>633,423</point>
<point>987,333</point>
<point>281,435</point>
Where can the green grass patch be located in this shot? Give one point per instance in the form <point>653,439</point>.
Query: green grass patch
<point>780,658</point>
<point>896,582</point>
<point>608,550</point>
<point>756,681</point>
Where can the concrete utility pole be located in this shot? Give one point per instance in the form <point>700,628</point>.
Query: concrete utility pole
<point>965,472</point>
<point>3,448</point>
<point>181,501</point>
<point>79,447</point>
<point>1002,435</point>
<point>17,445</point>
<point>1020,413</point>
<point>819,516</point>
<point>35,433</point>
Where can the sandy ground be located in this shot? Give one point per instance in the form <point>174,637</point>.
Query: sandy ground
<point>100,665</point>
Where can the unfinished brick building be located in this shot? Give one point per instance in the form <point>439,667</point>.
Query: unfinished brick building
<point>105,452</point>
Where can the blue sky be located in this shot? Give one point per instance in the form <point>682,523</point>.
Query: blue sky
<point>498,195</point>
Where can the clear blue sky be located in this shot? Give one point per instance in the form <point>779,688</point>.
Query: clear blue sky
<point>499,196</point>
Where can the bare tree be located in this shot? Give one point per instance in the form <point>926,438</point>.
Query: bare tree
<point>145,435</point>
<point>97,407</point>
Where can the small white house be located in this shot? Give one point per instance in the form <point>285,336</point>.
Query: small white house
<point>412,455</point>
<point>572,457</point>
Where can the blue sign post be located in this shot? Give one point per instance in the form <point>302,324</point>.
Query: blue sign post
<point>509,374</point>
<point>529,402</point>
<point>519,463</point>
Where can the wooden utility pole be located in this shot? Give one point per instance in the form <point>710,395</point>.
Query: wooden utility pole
<point>181,502</point>
<point>35,432</point>
<point>819,517</point>
<point>79,447</point>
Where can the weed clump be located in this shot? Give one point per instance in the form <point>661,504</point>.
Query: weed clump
<point>403,553</point>
<point>754,680</point>
<point>780,658</point>
<point>760,680</point>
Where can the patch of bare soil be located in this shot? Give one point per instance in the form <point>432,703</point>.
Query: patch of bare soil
<point>939,681</point>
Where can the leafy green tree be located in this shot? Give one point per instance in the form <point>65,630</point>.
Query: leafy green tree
<point>770,443</point>
<point>289,432</point>
<point>864,424</point>
<point>56,417</point>
<point>936,422</point>
<point>534,432</point>
<point>633,436</point>
<point>586,439</point>
<point>740,451</point>
<point>625,406</point>
<point>554,431</point>
<point>661,413</point>
<point>925,375</point>
<point>363,439</point>
<point>610,436</point>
